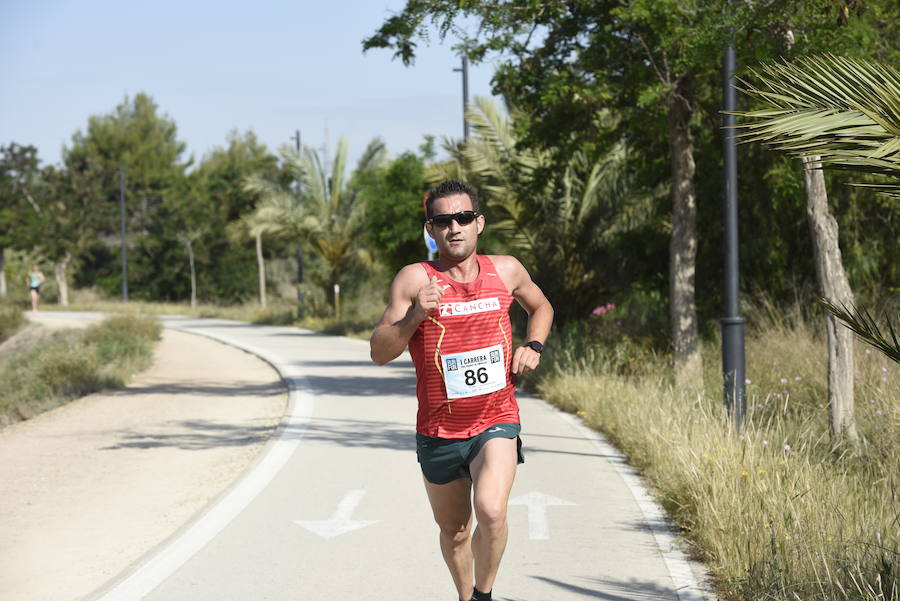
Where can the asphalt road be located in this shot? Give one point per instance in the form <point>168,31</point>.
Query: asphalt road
<point>335,507</point>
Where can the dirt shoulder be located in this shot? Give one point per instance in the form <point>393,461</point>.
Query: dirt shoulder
<point>91,486</point>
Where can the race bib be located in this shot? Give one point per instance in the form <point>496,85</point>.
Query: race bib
<point>474,372</point>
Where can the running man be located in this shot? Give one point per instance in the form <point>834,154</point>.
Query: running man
<point>35,279</point>
<point>454,315</point>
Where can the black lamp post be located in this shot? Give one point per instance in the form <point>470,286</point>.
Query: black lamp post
<point>465,85</point>
<point>124,251</point>
<point>296,139</point>
<point>732,322</point>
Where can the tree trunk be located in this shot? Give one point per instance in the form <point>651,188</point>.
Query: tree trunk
<point>299,279</point>
<point>2,272</point>
<point>336,289</point>
<point>332,293</point>
<point>60,269</point>
<point>683,243</point>
<point>833,285</point>
<point>190,249</point>
<point>261,266</point>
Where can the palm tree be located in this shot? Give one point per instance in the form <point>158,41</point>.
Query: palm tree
<point>325,214</point>
<point>845,113</point>
<point>253,226</point>
<point>188,237</point>
<point>552,220</point>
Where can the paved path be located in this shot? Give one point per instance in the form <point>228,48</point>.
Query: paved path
<point>335,508</point>
<point>87,488</point>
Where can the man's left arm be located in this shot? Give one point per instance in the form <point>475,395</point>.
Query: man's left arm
<point>540,314</point>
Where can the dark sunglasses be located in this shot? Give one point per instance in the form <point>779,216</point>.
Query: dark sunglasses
<point>462,218</point>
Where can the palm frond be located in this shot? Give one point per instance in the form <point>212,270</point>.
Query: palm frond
<point>865,326</point>
<point>256,184</point>
<point>256,224</point>
<point>490,128</point>
<point>315,186</point>
<point>374,156</point>
<point>845,111</point>
<point>336,178</point>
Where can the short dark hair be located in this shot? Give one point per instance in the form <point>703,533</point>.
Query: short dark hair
<point>450,187</point>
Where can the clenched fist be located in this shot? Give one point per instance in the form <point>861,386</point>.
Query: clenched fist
<point>525,359</point>
<point>429,296</point>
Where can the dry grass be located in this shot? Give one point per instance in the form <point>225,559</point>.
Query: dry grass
<point>774,511</point>
<point>68,364</point>
<point>274,314</point>
<point>354,323</point>
<point>11,320</point>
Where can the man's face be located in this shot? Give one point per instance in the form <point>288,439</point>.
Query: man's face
<point>455,241</point>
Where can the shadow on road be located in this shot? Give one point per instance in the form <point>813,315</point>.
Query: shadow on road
<point>198,435</point>
<point>208,389</point>
<point>355,386</point>
<point>360,433</point>
<point>530,449</point>
<point>630,590</point>
<point>364,364</point>
<point>201,435</point>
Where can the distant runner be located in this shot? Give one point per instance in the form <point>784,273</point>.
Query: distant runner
<point>35,279</point>
<point>454,315</point>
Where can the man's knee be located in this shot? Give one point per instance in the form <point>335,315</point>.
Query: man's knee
<point>491,512</point>
<point>453,529</point>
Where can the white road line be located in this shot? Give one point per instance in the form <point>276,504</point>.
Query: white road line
<point>187,543</point>
<point>683,580</point>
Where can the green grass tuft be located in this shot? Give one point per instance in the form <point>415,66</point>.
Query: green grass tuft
<point>72,363</point>
<point>11,320</point>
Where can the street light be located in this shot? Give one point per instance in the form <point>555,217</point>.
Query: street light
<point>296,139</point>
<point>124,251</point>
<point>732,322</point>
<point>465,85</point>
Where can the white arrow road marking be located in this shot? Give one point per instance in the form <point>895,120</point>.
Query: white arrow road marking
<point>340,522</point>
<point>537,503</point>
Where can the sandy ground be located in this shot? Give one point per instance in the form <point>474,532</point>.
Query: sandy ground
<point>89,487</point>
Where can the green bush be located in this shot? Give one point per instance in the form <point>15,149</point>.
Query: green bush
<point>11,320</point>
<point>122,336</point>
<point>274,316</point>
<point>73,363</point>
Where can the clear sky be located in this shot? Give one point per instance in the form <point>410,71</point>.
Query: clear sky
<point>270,66</point>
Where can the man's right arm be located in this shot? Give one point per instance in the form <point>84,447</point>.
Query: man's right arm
<point>412,297</point>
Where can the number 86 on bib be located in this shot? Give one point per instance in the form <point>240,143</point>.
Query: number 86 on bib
<point>475,372</point>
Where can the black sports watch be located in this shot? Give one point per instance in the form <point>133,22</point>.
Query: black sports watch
<point>535,346</point>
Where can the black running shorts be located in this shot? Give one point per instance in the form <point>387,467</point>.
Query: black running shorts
<point>444,460</point>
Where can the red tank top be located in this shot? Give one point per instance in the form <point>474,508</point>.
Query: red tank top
<point>463,354</point>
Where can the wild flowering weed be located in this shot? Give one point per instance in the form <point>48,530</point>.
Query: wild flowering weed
<point>603,309</point>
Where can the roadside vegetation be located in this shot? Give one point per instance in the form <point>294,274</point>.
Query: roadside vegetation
<point>47,370</point>
<point>774,510</point>
<point>354,322</point>
<point>11,320</point>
